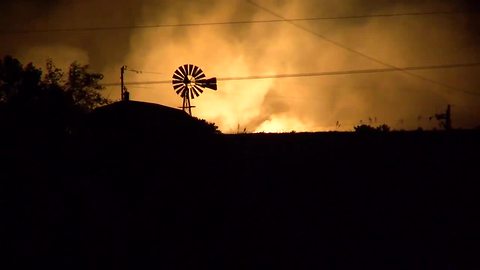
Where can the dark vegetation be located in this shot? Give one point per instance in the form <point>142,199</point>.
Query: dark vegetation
<point>368,128</point>
<point>133,185</point>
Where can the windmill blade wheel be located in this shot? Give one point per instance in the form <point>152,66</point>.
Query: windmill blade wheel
<point>189,81</point>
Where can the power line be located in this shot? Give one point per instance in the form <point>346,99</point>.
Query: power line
<point>327,73</point>
<point>340,45</point>
<point>147,26</point>
<point>143,72</point>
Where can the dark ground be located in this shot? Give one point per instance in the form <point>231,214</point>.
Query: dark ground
<point>140,199</point>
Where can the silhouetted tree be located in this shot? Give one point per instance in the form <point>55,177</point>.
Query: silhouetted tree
<point>84,87</point>
<point>53,86</point>
<point>18,84</point>
<point>24,84</point>
<point>27,98</point>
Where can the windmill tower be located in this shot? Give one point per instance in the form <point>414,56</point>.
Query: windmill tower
<point>188,82</point>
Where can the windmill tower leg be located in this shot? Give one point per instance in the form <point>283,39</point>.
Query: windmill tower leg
<point>186,104</point>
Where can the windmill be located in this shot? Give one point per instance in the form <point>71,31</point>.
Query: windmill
<point>188,82</point>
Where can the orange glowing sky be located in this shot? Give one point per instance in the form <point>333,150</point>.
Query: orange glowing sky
<point>336,102</point>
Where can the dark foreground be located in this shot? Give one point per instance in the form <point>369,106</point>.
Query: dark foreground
<point>287,201</point>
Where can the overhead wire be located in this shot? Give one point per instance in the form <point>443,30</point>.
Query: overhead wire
<point>143,71</point>
<point>326,73</point>
<point>291,21</point>
<point>147,26</point>
<point>340,45</point>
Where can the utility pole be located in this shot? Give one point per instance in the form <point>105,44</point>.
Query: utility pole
<point>447,116</point>
<point>124,94</point>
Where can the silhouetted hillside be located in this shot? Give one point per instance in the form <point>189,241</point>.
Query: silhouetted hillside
<point>141,119</point>
<point>141,188</point>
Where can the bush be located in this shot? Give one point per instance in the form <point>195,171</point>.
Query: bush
<point>369,129</point>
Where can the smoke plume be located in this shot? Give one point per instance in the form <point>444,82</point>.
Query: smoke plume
<point>337,102</point>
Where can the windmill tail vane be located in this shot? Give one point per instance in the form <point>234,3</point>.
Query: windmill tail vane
<point>188,82</point>
<point>208,83</point>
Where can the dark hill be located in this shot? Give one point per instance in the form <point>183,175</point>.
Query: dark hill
<point>139,119</point>
<point>126,196</point>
